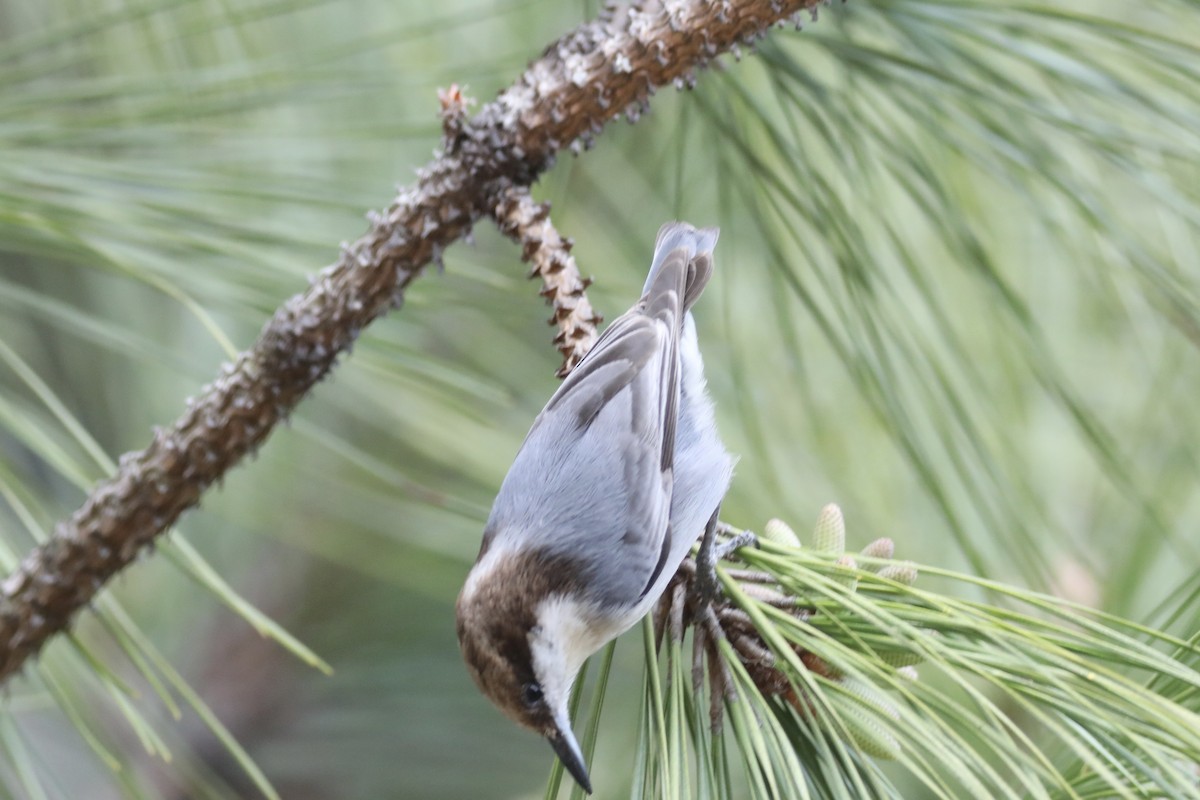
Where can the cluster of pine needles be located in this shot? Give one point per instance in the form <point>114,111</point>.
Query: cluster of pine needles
<point>801,681</point>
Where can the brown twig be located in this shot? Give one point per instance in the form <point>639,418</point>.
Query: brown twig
<point>715,619</point>
<point>602,69</point>
<point>528,223</point>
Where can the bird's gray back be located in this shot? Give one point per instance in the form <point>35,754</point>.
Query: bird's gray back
<point>598,481</point>
<point>592,482</point>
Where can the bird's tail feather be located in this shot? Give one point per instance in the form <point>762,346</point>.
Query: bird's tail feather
<point>698,244</point>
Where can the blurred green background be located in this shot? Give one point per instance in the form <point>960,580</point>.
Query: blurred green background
<point>957,293</point>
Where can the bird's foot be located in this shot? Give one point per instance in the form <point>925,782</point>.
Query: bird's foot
<point>706,587</point>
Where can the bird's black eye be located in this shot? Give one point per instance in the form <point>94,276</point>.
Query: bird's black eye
<point>531,694</point>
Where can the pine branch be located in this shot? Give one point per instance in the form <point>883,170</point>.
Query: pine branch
<point>528,223</point>
<point>604,68</point>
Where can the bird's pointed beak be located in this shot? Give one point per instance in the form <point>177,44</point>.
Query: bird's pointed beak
<point>567,749</point>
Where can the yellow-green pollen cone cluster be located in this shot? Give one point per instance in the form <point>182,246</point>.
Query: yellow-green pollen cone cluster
<point>859,703</point>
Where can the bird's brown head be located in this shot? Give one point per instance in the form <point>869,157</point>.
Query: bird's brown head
<point>493,632</point>
<point>519,637</point>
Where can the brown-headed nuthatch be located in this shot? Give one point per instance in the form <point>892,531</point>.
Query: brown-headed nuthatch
<point>614,483</point>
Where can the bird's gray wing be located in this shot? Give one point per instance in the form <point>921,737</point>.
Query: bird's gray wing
<point>592,483</point>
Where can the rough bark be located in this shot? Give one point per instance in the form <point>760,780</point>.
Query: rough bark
<point>602,69</point>
<point>528,223</point>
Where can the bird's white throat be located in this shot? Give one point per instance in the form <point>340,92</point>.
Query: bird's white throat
<point>567,632</point>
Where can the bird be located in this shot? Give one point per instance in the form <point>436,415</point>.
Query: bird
<point>620,474</point>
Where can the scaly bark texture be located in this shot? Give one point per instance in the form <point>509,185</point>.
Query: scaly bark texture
<point>602,69</point>
<point>563,287</point>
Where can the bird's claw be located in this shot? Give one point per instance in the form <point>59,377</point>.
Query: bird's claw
<point>706,585</point>
<point>737,542</point>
